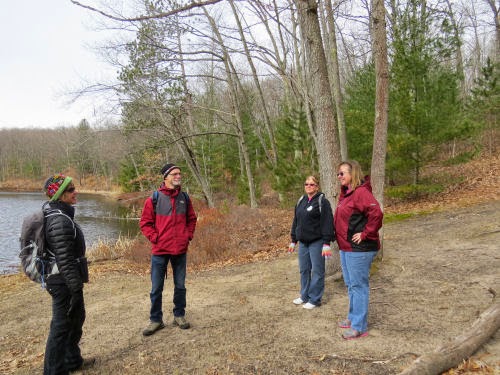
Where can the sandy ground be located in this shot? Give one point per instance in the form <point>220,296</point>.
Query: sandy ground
<point>439,272</point>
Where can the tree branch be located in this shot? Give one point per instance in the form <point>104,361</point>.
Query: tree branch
<point>193,5</point>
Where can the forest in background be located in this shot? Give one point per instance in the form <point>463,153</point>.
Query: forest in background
<point>229,93</point>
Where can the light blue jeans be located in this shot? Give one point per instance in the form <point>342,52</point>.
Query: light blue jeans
<point>312,272</point>
<point>356,272</point>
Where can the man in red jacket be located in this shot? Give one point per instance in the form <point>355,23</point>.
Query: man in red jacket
<point>168,221</point>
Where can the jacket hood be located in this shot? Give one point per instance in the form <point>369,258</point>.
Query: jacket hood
<point>365,183</point>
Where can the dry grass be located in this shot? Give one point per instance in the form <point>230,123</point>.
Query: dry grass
<point>238,236</point>
<point>110,250</point>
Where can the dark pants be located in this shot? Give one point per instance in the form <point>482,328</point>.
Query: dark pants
<point>62,352</point>
<point>159,265</point>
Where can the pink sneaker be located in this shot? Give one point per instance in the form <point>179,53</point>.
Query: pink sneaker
<point>345,323</point>
<point>351,334</point>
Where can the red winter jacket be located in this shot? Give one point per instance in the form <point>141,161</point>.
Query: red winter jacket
<point>173,225</point>
<point>358,211</point>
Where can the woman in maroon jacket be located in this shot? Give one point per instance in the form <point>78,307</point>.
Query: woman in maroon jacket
<point>357,219</point>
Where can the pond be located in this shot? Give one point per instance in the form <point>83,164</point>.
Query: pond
<point>99,217</point>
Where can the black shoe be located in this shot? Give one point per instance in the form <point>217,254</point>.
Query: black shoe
<point>87,362</point>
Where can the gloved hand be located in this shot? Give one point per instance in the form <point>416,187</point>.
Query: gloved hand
<point>326,251</point>
<point>75,302</point>
<point>291,247</point>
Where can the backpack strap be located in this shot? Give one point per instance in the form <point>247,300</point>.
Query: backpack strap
<point>154,198</point>
<point>300,199</point>
<point>54,212</point>
<point>320,199</point>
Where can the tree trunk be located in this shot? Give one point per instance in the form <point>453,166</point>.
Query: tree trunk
<point>186,149</point>
<point>273,155</point>
<point>496,20</point>
<point>232,89</point>
<point>334,73</point>
<point>379,43</point>
<point>327,144</point>
<point>136,171</point>
<point>459,64</point>
<point>462,347</point>
<point>327,141</point>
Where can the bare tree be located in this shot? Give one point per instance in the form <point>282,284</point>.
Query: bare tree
<point>495,8</point>
<point>379,41</point>
<point>233,85</point>
<point>267,121</point>
<point>334,74</point>
<point>459,63</point>
<point>317,72</point>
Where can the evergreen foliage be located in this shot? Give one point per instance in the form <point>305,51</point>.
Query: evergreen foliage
<point>424,91</point>
<point>296,155</point>
<point>483,106</point>
<point>359,114</point>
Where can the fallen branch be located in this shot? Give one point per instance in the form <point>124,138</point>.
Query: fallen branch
<point>324,357</point>
<point>461,348</point>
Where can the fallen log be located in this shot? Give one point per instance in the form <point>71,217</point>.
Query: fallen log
<point>462,347</point>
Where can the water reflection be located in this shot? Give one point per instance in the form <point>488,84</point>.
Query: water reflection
<point>99,217</point>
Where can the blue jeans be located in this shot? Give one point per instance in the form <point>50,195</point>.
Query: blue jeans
<point>159,265</point>
<point>62,352</point>
<point>356,272</point>
<point>312,272</point>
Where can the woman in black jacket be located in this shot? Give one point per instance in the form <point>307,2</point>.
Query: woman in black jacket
<point>312,228</point>
<point>66,244</point>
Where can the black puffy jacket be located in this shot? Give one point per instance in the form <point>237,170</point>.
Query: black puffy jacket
<point>65,240</point>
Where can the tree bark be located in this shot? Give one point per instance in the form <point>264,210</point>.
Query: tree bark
<point>327,141</point>
<point>334,73</point>
<point>379,43</point>
<point>327,144</point>
<point>496,19</point>
<point>462,347</point>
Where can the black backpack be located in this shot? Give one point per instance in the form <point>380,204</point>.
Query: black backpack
<point>37,261</point>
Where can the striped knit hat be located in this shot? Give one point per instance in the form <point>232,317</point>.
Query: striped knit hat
<point>167,168</point>
<point>55,186</point>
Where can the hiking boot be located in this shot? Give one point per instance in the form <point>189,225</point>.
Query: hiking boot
<point>152,328</point>
<point>86,363</point>
<point>181,322</point>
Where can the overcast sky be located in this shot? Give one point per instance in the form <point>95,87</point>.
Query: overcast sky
<point>44,54</point>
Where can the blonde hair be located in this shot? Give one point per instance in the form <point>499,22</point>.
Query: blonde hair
<point>314,178</point>
<point>355,171</point>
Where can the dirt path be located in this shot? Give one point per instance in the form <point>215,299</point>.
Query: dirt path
<point>437,276</point>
